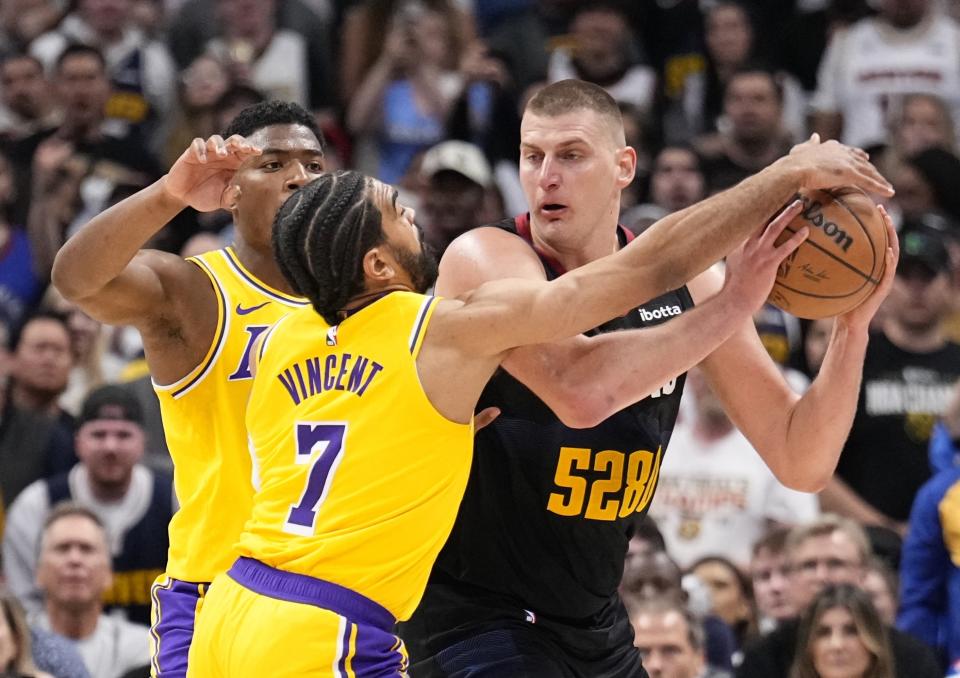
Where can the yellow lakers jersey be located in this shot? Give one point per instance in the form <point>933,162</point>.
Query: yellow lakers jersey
<point>360,477</point>
<point>203,422</point>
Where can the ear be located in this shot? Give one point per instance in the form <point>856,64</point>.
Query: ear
<point>626,166</point>
<point>230,197</point>
<point>379,265</point>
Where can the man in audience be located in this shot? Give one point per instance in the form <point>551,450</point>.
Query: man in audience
<point>26,106</point>
<point>35,434</point>
<point>74,573</point>
<point>134,503</point>
<point>770,575</point>
<point>830,550</point>
<point>671,640</point>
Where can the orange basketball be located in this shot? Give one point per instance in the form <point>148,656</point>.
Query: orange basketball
<point>841,261</point>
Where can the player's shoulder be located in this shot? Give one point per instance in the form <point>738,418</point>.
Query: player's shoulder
<point>484,254</point>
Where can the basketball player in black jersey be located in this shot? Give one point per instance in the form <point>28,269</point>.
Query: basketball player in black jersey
<point>527,582</point>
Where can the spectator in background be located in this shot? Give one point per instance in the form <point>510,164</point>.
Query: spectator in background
<point>16,657</point>
<point>829,551</point>
<point>671,640</point>
<point>404,100</point>
<point>259,53</point>
<point>457,178</point>
<point>202,83</point>
<point>197,22</point>
<point>755,137</point>
<point>715,495</point>
<point>366,23</point>
<point>841,634</point>
<point>26,106</point>
<point>140,70</point>
<point>68,174</point>
<point>74,573</point>
<point>927,182</point>
<point>21,21</point>
<point>910,47</point>
<point>881,584</point>
<point>20,283</point>
<point>731,595</point>
<point>51,652</point>
<point>930,566</point>
<point>134,503</point>
<point>604,50</point>
<point>35,434</point>
<point>730,46</point>
<point>924,121</point>
<point>908,373</point>
<point>770,576</point>
<point>676,182</point>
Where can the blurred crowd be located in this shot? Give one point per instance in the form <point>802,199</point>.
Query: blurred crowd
<point>732,573</point>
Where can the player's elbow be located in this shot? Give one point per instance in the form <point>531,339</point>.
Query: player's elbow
<point>579,408</point>
<point>64,277</point>
<point>804,477</point>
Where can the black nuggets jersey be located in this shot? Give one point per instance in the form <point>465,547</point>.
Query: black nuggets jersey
<point>544,524</point>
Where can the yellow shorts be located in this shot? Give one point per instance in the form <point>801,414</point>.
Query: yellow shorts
<point>260,621</point>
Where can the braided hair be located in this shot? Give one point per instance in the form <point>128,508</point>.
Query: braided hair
<point>320,236</point>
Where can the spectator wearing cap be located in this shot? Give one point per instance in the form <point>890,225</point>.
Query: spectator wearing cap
<point>908,374</point>
<point>74,574</point>
<point>457,179</point>
<point>134,503</point>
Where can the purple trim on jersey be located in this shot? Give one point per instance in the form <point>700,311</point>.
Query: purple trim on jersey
<point>174,613</point>
<point>299,588</point>
<point>238,269</point>
<point>421,317</point>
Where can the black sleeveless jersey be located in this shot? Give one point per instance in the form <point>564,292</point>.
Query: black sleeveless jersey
<point>548,509</point>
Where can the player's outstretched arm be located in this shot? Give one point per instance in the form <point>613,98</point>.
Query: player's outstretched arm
<point>102,267</point>
<point>583,379</point>
<point>800,438</point>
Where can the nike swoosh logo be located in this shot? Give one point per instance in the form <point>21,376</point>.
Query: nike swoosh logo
<point>244,311</point>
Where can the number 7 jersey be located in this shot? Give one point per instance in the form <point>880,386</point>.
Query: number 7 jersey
<point>204,424</point>
<point>360,477</point>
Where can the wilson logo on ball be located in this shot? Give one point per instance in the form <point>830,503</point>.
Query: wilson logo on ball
<point>813,213</point>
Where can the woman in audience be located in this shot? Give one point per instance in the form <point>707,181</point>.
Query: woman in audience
<point>15,658</point>
<point>841,636</point>
<point>732,595</point>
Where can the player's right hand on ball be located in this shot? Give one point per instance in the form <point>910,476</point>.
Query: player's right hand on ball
<point>200,176</point>
<point>830,164</point>
<point>752,269</point>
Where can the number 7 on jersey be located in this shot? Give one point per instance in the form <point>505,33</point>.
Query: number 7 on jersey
<point>320,444</point>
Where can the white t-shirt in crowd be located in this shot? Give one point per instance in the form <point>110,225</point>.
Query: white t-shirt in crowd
<point>718,497</point>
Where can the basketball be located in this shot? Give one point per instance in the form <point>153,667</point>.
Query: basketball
<point>842,260</point>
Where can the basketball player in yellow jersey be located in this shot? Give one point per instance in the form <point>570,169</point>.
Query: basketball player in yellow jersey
<point>360,417</point>
<point>198,319</point>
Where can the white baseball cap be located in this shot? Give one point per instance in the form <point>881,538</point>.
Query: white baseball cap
<point>458,156</point>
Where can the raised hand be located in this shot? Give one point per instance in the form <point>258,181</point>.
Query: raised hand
<point>863,314</point>
<point>200,176</point>
<point>752,268</point>
<point>830,164</point>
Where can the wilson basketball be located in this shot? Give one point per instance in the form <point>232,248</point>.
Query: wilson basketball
<point>841,261</point>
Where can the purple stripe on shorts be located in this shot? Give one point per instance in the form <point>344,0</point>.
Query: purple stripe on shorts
<point>299,588</point>
<point>174,614</point>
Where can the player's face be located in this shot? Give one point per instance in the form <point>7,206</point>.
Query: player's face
<point>664,642</point>
<point>291,158</point>
<point>74,567</point>
<point>572,169</point>
<point>771,585</point>
<point>837,649</point>
<point>404,240</point>
<point>109,449</point>
<point>822,560</point>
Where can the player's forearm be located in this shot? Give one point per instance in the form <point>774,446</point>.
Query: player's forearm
<point>101,250</point>
<point>588,382</point>
<point>819,422</point>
